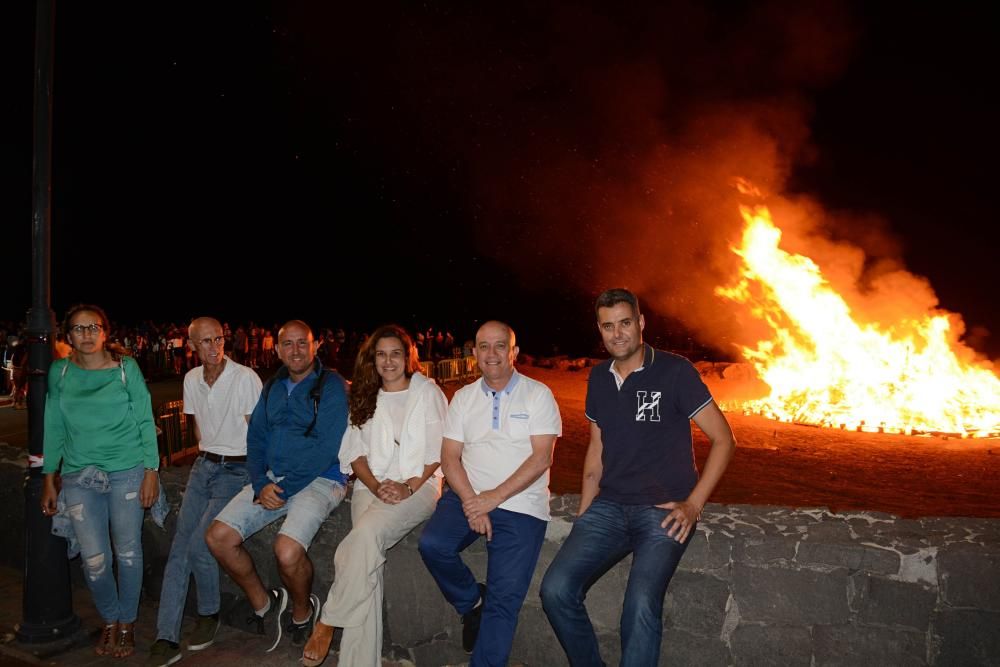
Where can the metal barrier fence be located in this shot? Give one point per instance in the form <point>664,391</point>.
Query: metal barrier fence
<point>451,370</point>
<point>175,432</point>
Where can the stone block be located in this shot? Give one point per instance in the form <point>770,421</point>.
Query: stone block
<point>966,637</point>
<point>970,577</point>
<point>696,603</point>
<point>680,647</point>
<point>415,608</point>
<point>534,641</point>
<point>789,596</point>
<point>771,646</point>
<point>850,645</point>
<point>850,555</point>
<point>890,603</point>
<point>764,550</point>
<point>708,550</point>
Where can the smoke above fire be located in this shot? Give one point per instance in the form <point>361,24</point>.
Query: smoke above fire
<point>597,145</point>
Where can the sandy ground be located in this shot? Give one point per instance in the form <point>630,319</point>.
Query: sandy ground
<point>803,466</point>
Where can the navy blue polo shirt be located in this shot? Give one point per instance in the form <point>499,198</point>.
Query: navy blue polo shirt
<point>645,427</point>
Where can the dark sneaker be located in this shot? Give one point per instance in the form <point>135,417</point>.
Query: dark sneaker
<point>163,653</point>
<point>204,631</point>
<point>471,620</point>
<point>300,632</point>
<point>269,624</point>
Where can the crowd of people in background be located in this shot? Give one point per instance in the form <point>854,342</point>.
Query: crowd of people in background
<point>161,350</point>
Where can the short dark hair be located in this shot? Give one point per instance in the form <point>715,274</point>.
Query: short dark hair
<point>614,296</point>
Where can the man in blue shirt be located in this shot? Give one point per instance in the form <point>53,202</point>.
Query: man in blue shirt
<point>292,446</point>
<point>641,491</point>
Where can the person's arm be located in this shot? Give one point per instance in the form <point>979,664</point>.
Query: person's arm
<point>54,440</point>
<point>593,468</point>
<point>257,432</point>
<point>142,407</point>
<point>364,474</point>
<point>686,512</point>
<point>530,470</point>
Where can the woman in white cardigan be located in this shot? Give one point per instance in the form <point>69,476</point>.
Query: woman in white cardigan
<point>393,446</point>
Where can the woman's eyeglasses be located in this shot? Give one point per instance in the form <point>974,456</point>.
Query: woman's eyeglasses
<point>92,329</point>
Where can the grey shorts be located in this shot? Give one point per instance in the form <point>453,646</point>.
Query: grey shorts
<point>306,511</point>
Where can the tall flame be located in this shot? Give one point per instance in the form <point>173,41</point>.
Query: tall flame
<point>826,368</point>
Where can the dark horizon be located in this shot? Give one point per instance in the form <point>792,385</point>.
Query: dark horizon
<point>442,166</point>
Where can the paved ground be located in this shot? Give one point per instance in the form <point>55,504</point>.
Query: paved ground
<point>232,647</point>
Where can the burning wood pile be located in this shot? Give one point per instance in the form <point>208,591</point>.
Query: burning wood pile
<point>825,366</point>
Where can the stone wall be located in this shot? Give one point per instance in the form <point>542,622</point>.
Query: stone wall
<point>759,585</point>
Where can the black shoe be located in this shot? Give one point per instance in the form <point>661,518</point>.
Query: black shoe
<point>471,620</point>
<point>300,632</point>
<point>269,624</point>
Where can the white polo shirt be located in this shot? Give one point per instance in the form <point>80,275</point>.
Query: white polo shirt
<point>221,409</point>
<point>495,428</point>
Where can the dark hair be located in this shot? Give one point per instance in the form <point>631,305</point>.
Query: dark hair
<point>366,381</point>
<point>614,296</point>
<point>88,307</point>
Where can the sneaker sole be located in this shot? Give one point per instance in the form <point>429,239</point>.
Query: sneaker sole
<point>282,604</point>
<point>204,645</point>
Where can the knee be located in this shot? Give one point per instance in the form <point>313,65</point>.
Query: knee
<point>430,547</point>
<point>554,590</point>
<point>221,538</point>
<point>288,553</point>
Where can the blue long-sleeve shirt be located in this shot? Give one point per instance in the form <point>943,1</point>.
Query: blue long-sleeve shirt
<point>276,439</point>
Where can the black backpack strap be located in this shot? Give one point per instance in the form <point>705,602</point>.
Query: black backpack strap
<point>316,393</point>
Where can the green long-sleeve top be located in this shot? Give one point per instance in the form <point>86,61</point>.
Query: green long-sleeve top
<point>98,418</point>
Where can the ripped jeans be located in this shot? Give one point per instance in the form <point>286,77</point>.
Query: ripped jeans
<point>95,501</point>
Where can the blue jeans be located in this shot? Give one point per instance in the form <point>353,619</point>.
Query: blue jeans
<point>511,558</point>
<point>210,487</point>
<point>94,500</point>
<point>605,534</point>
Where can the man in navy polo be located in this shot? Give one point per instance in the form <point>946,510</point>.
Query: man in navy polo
<point>641,490</point>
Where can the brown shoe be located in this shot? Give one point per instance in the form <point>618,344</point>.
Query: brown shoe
<point>106,642</point>
<point>125,640</point>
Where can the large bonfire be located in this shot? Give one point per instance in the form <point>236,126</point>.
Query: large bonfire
<point>826,368</point>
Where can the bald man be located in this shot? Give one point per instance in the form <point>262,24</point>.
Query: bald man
<point>499,436</point>
<point>220,395</point>
<point>292,458</point>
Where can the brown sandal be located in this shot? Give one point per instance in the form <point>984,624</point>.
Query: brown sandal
<point>125,640</point>
<point>106,642</point>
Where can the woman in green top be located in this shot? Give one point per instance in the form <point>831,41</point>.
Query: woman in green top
<point>99,433</point>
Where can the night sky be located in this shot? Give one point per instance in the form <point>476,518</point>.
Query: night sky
<point>438,165</point>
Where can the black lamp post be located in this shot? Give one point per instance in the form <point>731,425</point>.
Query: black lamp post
<point>47,601</point>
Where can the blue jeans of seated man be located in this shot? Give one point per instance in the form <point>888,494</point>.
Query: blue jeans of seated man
<point>605,534</point>
<point>94,500</point>
<point>209,488</point>
<point>511,558</point>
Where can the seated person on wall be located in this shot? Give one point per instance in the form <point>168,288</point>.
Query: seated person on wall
<point>220,394</point>
<point>641,493</point>
<point>393,445</point>
<point>498,441</point>
<point>292,445</point>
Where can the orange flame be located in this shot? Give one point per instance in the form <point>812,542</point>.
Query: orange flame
<point>826,368</point>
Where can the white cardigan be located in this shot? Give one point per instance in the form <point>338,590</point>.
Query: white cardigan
<point>425,407</point>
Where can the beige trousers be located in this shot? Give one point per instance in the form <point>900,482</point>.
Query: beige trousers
<point>354,602</point>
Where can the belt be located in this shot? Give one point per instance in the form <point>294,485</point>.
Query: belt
<point>222,458</point>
